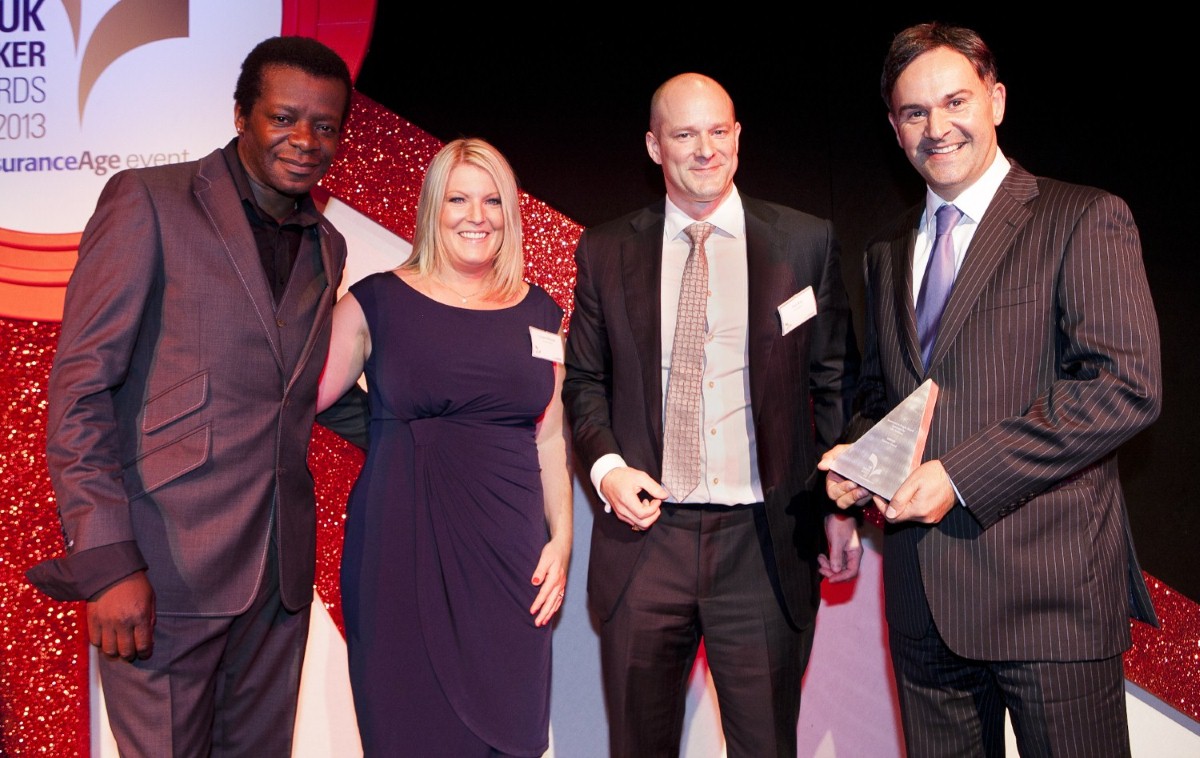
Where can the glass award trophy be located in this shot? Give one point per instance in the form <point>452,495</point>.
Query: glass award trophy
<point>884,457</point>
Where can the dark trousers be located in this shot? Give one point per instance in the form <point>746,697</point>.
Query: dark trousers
<point>224,686</point>
<point>703,576</point>
<point>954,707</point>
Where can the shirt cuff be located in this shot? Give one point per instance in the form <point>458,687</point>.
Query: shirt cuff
<point>600,469</point>
<point>957,494</point>
<point>83,575</point>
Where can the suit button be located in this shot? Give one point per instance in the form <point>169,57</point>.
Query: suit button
<point>280,323</point>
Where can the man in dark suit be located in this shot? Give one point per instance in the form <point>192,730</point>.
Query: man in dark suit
<point>734,558</point>
<point>181,402</point>
<point>1009,568</point>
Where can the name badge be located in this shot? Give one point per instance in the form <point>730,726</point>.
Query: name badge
<point>797,309</point>
<point>546,345</point>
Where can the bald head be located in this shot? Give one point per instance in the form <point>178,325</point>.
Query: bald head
<point>694,137</point>
<point>684,87</point>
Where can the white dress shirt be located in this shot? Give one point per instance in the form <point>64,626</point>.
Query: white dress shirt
<point>729,461</point>
<point>973,202</point>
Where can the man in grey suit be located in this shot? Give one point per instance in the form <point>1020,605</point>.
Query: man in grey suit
<point>735,559</point>
<point>181,403</point>
<point>1009,569</point>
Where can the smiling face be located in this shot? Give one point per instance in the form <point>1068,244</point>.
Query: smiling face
<point>288,139</point>
<point>694,137</point>
<point>945,118</point>
<point>471,220</point>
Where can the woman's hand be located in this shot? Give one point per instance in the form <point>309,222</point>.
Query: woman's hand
<point>551,577</point>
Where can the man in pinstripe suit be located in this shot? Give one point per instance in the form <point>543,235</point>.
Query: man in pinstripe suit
<point>1009,569</point>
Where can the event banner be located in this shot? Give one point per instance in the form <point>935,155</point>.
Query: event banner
<point>89,87</point>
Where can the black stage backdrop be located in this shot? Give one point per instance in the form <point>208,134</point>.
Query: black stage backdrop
<point>1098,102</point>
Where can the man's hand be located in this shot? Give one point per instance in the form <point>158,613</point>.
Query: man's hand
<point>841,490</point>
<point>925,497</point>
<point>622,489</point>
<point>121,618</point>
<point>845,550</point>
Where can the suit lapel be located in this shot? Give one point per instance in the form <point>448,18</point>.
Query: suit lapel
<point>769,281</point>
<point>900,253</point>
<point>218,196</point>
<point>1005,217</point>
<point>330,269</point>
<point>641,284</point>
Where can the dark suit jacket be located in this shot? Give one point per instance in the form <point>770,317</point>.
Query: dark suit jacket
<point>1047,359</point>
<point>800,383</point>
<point>182,399</point>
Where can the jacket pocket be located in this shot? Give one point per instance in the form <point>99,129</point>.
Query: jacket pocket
<point>175,403</point>
<point>1009,297</point>
<point>168,462</point>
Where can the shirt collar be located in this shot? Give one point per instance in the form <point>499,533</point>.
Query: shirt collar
<point>974,200</point>
<point>306,213</point>
<point>729,218</point>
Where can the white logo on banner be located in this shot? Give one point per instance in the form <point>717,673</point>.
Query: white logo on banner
<point>90,87</point>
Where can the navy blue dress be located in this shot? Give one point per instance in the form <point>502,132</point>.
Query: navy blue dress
<point>445,527</point>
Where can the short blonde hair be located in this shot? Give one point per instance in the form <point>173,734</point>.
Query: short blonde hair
<point>428,255</point>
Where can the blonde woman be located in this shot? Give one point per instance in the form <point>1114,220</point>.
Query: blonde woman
<point>459,527</point>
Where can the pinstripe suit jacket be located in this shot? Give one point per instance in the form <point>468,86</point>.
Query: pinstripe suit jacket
<point>1047,360</point>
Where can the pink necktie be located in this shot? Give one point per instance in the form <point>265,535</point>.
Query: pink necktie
<point>938,281</point>
<point>681,432</point>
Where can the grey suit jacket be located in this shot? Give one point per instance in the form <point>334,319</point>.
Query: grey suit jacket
<point>182,399</point>
<point>800,383</point>
<point>1047,359</point>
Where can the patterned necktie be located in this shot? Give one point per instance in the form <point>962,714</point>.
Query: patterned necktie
<point>681,433</point>
<point>938,281</point>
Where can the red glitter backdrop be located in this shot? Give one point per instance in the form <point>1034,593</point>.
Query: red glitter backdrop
<point>43,684</point>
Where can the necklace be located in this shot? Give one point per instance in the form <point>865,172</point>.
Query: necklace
<point>461,296</point>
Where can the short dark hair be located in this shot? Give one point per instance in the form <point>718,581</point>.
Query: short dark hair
<point>919,39</point>
<point>302,53</point>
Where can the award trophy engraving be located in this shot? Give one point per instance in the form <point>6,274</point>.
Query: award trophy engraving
<point>884,457</point>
